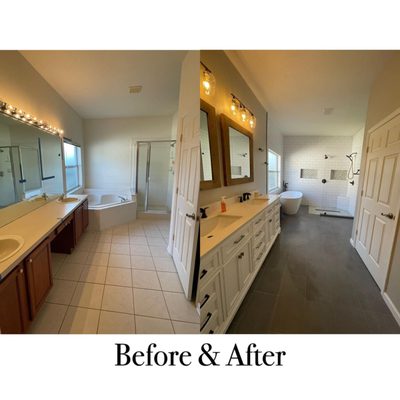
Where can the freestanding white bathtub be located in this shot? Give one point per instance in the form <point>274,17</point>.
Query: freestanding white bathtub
<point>110,208</point>
<point>290,201</point>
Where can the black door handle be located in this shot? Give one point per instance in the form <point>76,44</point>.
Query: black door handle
<point>390,215</point>
<point>323,180</point>
<point>192,216</point>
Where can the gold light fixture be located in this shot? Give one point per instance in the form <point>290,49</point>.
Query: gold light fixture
<point>27,118</point>
<point>252,121</point>
<point>207,80</point>
<point>237,108</point>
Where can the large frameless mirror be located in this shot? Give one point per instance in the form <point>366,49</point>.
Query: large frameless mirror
<point>30,164</point>
<point>237,152</point>
<point>210,170</point>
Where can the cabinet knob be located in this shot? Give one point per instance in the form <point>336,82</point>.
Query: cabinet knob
<point>30,261</point>
<point>270,220</point>
<point>21,271</point>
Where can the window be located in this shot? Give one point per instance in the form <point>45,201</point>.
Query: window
<point>274,171</point>
<point>73,173</point>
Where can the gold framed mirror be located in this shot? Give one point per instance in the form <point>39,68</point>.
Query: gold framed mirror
<point>210,170</point>
<point>237,151</point>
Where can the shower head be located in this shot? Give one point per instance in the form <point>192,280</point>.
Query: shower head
<point>350,156</point>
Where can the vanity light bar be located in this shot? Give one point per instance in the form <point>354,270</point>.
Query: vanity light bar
<point>237,107</point>
<point>19,115</point>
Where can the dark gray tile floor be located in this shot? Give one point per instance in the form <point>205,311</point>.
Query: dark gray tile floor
<point>313,281</point>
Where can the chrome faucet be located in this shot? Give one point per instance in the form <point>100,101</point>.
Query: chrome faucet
<point>44,196</point>
<point>123,199</point>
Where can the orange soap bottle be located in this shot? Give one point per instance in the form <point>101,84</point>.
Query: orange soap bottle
<point>223,204</point>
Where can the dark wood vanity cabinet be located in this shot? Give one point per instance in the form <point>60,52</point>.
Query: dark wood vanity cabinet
<point>78,223</point>
<point>14,306</point>
<point>81,220</point>
<point>39,276</point>
<point>85,214</point>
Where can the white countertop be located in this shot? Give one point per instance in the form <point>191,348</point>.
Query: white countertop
<point>34,227</point>
<point>246,210</point>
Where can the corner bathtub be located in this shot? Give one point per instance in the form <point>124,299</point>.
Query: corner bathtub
<point>108,209</point>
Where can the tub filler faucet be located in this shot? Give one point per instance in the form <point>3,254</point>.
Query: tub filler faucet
<point>123,199</point>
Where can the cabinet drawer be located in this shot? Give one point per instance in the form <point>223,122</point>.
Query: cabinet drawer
<point>259,235</point>
<point>257,244</point>
<point>210,324</point>
<point>258,253</point>
<point>258,221</point>
<point>208,266</point>
<point>64,224</point>
<point>209,299</point>
<point>231,245</point>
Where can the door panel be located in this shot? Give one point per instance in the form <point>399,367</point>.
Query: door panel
<point>388,175</point>
<point>371,178</point>
<point>186,224</point>
<point>380,203</point>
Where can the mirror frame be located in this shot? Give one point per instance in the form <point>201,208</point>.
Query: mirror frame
<point>214,147</point>
<point>227,123</point>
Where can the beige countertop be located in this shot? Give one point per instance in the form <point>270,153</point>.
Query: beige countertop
<point>246,210</point>
<point>34,228</point>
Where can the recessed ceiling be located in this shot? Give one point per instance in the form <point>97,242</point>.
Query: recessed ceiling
<point>312,92</point>
<point>96,83</point>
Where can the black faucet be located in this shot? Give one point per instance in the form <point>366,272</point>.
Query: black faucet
<point>203,212</point>
<point>246,196</point>
<point>285,184</point>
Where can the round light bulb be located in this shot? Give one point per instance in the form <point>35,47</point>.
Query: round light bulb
<point>243,115</point>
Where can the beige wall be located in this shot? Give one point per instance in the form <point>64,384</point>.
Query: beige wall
<point>109,148</point>
<point>384,99</point>
<point>25,88</point>
<point>230,81</point>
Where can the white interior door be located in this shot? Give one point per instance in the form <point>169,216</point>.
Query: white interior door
<point>186,223</point>
<point>380,200</point>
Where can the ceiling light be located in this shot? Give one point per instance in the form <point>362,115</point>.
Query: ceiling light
<point>135,89</point>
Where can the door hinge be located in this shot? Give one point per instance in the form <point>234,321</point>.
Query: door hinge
<point>180,139</point>
<point>362,192</point>
<point>176,190</point>
<point>356,232</point>
<point>173,237</point>
<point>367,149</point>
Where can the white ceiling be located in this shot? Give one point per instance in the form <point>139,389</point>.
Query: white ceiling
<point>95,83</point>
<point>296,87</point>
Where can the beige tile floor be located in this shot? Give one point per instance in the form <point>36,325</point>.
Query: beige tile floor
<point>118,281</point>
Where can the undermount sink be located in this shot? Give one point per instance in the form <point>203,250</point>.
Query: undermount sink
<point>9,245</point>
<point>68,200</point>
<point>210,226</point>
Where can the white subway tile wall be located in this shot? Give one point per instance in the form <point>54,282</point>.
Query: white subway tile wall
<point>308,153</point>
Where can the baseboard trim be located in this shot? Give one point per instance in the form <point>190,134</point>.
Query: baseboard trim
<point>392,307</point>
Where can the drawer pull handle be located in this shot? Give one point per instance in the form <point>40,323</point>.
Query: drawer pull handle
<point>259,233</point>
<point>259,257</point>
<point>211,331</point>
<point>203,273</point>
<point>270,220</point>
<point>209,315</point>
<point>257,222</point>
<point>259,245</point>
<point>240,256</point>
<point>237,241</point>
<point>206,297</point>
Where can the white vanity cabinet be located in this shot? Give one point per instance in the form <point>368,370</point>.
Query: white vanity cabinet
<point>228,270</point>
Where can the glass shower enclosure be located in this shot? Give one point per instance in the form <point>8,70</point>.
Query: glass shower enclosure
<point>155,175</point>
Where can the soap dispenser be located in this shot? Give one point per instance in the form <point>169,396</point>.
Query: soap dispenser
<point>223,204</point>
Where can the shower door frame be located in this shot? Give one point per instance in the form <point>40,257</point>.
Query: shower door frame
<point>148,143</point>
